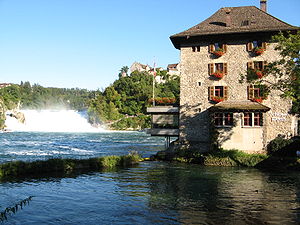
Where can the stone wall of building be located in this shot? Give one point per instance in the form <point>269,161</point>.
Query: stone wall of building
<point>194,96</point>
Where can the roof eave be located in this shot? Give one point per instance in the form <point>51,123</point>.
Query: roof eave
<point>177,39</point>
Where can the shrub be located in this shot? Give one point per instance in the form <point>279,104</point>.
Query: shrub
<point>277,144</point>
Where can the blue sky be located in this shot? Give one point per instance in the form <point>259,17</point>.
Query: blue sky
<point>84,43</point>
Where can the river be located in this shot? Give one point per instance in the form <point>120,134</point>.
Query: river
<point>149,193</point>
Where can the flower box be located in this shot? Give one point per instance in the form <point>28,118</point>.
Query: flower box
<point>219,52</point>
<point>259,50</point>
<point>217,99</point>
<point>257,99</point>
<point>162,101</point>
<point>259,73</point>
<point>218,74</point>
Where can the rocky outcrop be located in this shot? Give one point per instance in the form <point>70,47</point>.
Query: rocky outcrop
<point>18,115</point>
<point>2,114</point>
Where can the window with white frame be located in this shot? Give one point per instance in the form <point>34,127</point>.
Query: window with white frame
<point>252,119</point>
<point>223,119</point>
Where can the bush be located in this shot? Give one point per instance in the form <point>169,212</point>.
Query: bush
<point>277,144</point>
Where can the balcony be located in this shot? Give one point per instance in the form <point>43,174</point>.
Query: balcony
<point>164,121</point>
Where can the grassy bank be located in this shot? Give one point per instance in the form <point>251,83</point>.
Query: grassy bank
<point>229,158</point>
<point>38,168</point>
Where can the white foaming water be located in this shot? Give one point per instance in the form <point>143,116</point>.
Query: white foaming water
<point>51,121</point>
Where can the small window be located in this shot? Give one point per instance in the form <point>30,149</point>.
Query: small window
<point>256,44</point>
<point>218,93</point>
<point>196,48</point>
<point>257,65</point>
<point>217,47</point>
<point>251,119</point>
<point>247,119</point>
<point>228,119</point>
<point>218,119</point>
<point>257,119</point>
<point>223,119</point>
<point>245,23</point>
<point>258,91</point>
<point>217,67</point>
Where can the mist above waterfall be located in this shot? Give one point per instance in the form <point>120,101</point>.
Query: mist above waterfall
<point>52,121</point>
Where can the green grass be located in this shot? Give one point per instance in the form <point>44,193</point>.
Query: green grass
<point>233,158</point>
<point>20,168</point>
<point>214,158</point>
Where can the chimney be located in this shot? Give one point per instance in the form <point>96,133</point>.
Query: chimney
<point>228,17</point>
<point>263,5</point>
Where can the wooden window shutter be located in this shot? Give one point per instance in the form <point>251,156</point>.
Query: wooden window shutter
<point>265,63</point>
<point>225,92</point>
<point>210,68</point>
<point>225,68</point>
<point>264,45</point>
<point>224,47</point>
<point>211,48</point>
<point>250,65</point>
<point>211,92</point>
<point>250,92</point>
<point>249,46</point>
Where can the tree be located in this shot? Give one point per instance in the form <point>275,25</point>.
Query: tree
<point>286,70</point>
<point>123,71</point>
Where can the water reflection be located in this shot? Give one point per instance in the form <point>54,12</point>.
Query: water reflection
<point>210,195</point>
<point>159,193</point>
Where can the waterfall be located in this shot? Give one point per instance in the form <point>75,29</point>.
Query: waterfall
<point>51,121</point>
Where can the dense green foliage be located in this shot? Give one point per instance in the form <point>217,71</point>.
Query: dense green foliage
<point>277,144</point>
<point>42,168</point>
<point>287,68</point>
<point>37,97</point>
<point>126,100</point>
<point>122,105</point>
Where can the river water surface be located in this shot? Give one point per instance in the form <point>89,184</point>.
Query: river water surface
<point>150,193</point>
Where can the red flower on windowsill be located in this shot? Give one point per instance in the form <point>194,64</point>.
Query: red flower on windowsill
<point>162,101</point>
<point>258,99</point>
<point>217,99</point>
<point>259,50</point>
<point>259,73</point>
<point>218,74</point>
<point>219,52</point>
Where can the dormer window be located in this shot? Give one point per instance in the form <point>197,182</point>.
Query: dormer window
<point>245,23</point>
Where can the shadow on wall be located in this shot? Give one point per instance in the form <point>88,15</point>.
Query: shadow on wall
<point>197,128</point>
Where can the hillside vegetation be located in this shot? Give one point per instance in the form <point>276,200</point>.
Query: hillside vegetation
<point>122,105</point>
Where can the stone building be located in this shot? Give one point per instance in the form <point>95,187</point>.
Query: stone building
<point>215,107</point>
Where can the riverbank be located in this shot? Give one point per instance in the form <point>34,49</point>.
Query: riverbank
<point>230,158</point>
<point>66,166</point>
